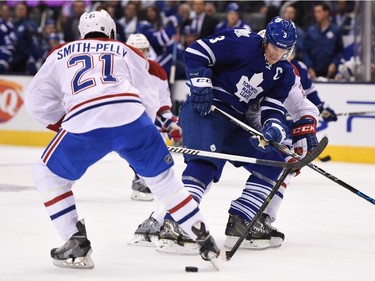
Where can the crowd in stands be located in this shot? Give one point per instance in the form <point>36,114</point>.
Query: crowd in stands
<point>29,30</point>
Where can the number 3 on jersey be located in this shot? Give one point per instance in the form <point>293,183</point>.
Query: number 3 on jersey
<point>87,63</point>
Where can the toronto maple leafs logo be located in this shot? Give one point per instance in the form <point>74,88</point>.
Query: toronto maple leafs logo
<point>242,32</point>
<point>249,89</point>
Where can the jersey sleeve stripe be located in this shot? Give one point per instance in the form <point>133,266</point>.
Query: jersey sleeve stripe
<point>274,101</point>
<point>263,108</point>
<point>208,50</point>
<point>197,53</point>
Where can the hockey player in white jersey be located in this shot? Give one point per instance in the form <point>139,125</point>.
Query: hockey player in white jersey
<point>96,93</point>
<point>165,121</point>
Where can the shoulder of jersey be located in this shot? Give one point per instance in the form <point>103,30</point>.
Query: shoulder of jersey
<point>157,70</point>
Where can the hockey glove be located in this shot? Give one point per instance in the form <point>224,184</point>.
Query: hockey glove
<point>327,113</point>
<point>304,136</point>
<point>166,122</point>
<point>201,93</point>
<point>273,130</point>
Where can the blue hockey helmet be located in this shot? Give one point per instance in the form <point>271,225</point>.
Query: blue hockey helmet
<point>281,33</point>
<point>233,7</point>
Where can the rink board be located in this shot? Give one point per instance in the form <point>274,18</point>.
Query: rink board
<point>350,138</point>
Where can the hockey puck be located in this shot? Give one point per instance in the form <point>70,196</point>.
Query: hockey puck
<point>191,269</point>
<point>325,159</point>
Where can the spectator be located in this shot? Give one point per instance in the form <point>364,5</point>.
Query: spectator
<point>184,11</point>
<point>289,12</point>
<point>129,21</point>
<point>202,23</point>
<point>120,32</point>
<point>7,38</point>
<point>210,9</point>
<point>323,44</point>
<point>5,13</point>
<point>188,36</point>
<point>153,17</point>
<point>71,31</point>
<point>26,51</point>
<point>233,19</point>
<point>50,39</point>
<point>344,18</point>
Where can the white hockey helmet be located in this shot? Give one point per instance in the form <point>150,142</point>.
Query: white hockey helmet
<point>138,41</point>
<point>97,22</point>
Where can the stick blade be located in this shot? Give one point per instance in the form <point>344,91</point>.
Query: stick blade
<point>311,156</point>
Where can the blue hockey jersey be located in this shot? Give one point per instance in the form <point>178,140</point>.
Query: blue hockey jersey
<point>241,75</point>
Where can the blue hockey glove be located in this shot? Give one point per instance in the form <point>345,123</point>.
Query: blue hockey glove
<point>273,130</point>
<point>201,93</point>
<point>304,136</point>
<point>327,113</point>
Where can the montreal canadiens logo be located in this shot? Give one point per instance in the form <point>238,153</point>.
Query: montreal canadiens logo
<point>10,100</point>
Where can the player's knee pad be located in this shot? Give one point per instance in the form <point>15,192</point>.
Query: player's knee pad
<point>164,184</point>
<point>48,182</point>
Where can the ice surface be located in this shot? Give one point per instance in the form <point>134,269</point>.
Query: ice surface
<point>330,232</point>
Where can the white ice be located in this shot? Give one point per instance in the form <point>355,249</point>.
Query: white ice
<point>330,231</point>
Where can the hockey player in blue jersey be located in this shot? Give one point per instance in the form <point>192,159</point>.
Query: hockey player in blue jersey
<point>235,70</point>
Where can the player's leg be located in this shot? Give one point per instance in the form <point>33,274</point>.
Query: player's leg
<point>151,159</point>
<point>64,161</point>
<point>258,186</point>
<point>199,133</point>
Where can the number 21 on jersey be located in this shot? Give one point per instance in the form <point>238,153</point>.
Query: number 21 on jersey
<point>86,62</point>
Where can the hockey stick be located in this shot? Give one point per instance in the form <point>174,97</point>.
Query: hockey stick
<point>293,166</point>
<point>229,254</point>
<point>290,153</point>
<point>172,74</point>
<point>355,113</point>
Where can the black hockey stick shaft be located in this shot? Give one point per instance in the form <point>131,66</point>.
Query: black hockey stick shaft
<point>229,254</point>
<point>290,153</point>
<point>230,157</point>
<point>355,113</point>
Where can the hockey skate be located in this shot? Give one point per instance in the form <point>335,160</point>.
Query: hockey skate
<point>207,246</point>
<point>75,253</point>
<point>147,233</point>
<point>140,190</point>
<point>257,239</point>
<point>277,237</point>
<point>174,240</point>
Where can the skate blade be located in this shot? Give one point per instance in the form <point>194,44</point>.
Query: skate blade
<point>139,240</point>
<point>79,263</point>
<point>170,247</point>
<point>215,260</point>
<point>276,242</point>
<point>141,196</point>
<point>254,244</point>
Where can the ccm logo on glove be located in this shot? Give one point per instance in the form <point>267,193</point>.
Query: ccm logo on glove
<point>304,129</point>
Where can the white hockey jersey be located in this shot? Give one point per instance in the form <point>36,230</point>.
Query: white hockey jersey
<point>93,83</point>
<point>160,79</point>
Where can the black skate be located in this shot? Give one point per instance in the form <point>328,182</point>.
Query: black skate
<point>277,237</point>
<point>208,249</point>
<point>75,253</point>
<point>257,239</point>
<point>147,233</point>
<point>140,190</point>
<point>174,240</point>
